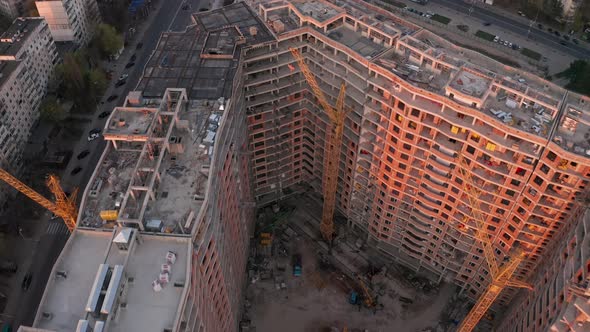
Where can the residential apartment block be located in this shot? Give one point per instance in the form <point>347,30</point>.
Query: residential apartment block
<point>223,120</point>
<point>70,20</point>
<point>165,221</point>
<point>13,8</point>
<point>27,59</point>
<point>416,102</point>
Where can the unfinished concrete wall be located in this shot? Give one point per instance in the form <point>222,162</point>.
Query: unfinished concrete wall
<point>398,180</point>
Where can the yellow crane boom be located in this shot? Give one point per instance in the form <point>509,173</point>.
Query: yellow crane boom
<point>501,276</point>
<point>337,116</point>
<point>64,207</point>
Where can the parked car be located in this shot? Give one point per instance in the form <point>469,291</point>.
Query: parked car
<point>112,97</point>
<point>563,42</point>
<point>486,24</point>
<point>557,33</point>
<point>575,41</point>
<point>185,6</point>
<point>120,83</point>
<point>123,77</point>
<point>104,114</point>
<point>26,283</point>
<point>139,46</point>
<point>129,65</point>
<point>76,170</point>
<point>83,154</point>
<point>566,37</point>
<point>133,57</point>
<point>540,26</point>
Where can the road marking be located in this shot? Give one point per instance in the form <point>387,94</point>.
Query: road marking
<point>174,18</point>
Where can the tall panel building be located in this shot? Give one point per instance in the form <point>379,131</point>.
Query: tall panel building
<point>70,20</point>
<point>27,60</point>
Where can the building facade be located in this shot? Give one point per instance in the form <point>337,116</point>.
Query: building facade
<point>416,103</point>
<point>13,8</point>
<point>560,301</point>
<point>27,60</point>
<point>70,20</point>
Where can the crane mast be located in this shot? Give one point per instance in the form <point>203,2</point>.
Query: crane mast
<point>337,116</point>
<point>64,207</point>
<point>501,276</point>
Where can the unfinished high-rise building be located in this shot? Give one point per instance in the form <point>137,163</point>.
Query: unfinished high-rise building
<point>415,102</point>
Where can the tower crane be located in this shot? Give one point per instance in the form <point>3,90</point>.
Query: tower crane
<point>64,206</point>
<point>336,115</point>
<point>501,274</point>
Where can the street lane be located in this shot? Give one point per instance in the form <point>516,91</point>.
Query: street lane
<point>516,27</point>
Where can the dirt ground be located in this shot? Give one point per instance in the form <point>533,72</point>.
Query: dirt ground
<point>319,299</point>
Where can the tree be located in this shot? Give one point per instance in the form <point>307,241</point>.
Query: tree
<point>51,110</point>
<point>579,75</point>
<point>97,82</point>
<point>108,40</point>
<point>72,73</point>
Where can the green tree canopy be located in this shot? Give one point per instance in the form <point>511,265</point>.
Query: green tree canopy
<point>578,74</point>
<point>51,110</point>
<point>108,40</point>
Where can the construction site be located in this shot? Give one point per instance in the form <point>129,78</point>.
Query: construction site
<point>328,166</point>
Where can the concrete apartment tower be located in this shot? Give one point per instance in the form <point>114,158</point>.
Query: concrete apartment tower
<point>70,20</point>
<point>225,121</point>
<point>13,8</point>
<point>27,59</point>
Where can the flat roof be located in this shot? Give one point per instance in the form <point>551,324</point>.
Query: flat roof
<point>573,132</point>
<point>65,298</point>
<point>146,309</point>
<point>204,58</point>
<point>14,38</point>
<point>356,41</point>
<point>319,10</point>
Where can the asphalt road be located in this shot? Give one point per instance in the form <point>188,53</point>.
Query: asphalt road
<point>50,245</point>
<point>510,24</point>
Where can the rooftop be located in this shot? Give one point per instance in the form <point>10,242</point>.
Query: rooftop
<point>317,9</point>
<point>154,171</point>
<point>573,132</point>
<point>68,295</point>
<point>14,38</point>
<point>203,59</point>
<point>356,42</point>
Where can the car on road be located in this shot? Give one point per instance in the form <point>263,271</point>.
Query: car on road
<point>139,46</point>
<point>112,97</point>
<point>76,170</point>
<point>104,114</point>
<point>129,65</point>
<point>540,26</point>
<point>185,6</point>
<point>123,77</point>
<point>203,9</point>
<point>133,57</point>
<point>486,24</point>
<point>94,134</point>
<point>575,41</point>
<point>120,83</point>
<point>563,42</point>
<point>83,154</point>
<point>556,33</point>
<point>26,283</point>
<point>521,13</point>
<point>566,37</point>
